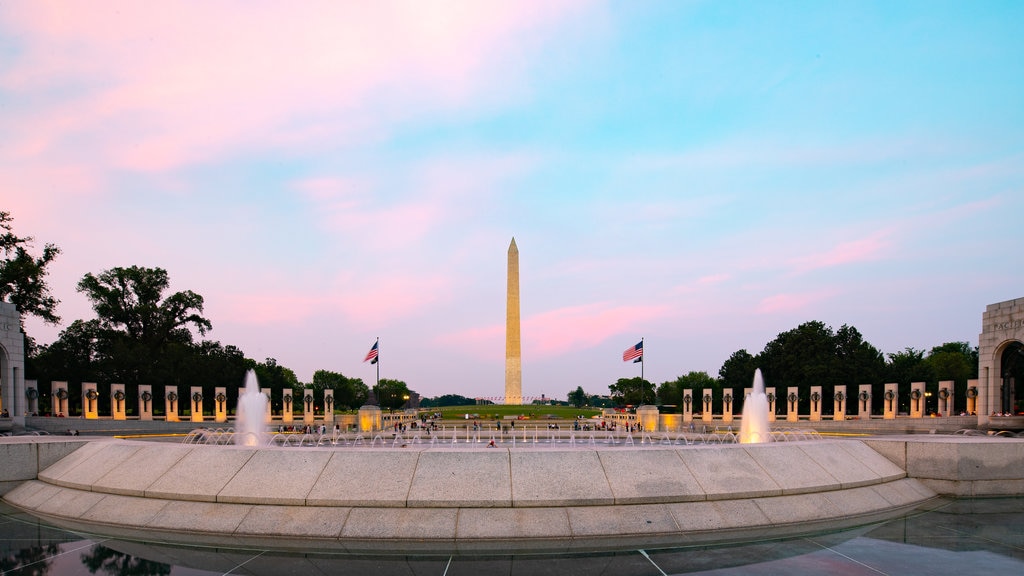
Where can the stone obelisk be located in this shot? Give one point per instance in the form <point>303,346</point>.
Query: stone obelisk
<point>513,352</point>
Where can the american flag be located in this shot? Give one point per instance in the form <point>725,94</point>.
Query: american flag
<point>372,354</point>
<point>634,353</point>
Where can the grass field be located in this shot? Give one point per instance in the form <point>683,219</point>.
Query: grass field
<point>495,411</point>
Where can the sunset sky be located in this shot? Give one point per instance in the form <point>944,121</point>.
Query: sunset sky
<point>703,175</point>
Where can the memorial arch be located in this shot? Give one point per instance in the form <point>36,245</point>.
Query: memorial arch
<point>1001,360</point>
<point>12,362</point>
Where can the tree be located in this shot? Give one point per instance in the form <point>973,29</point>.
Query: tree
<point>738,370</point>
<point>23,278</point>
<point>447,400</point>
<point>129,300</point>
<point>391,394</point>
<point>632,391</point>
<point>348,393</point>
<point>578,397</point>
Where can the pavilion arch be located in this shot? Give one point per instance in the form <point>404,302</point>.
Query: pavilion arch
<point>1001,360</point>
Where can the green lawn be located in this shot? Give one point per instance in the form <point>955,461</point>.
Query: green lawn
<point>532,412</point>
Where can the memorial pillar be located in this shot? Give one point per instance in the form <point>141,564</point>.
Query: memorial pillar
<point>308,413</point>
<point>972,396</point>
<point>60,394</point>
<point>270,413</point>
<point>171,400</point>
<point>32,395</point>
<point>287,416</point>
<point>706,415</point>
<point>328,405</point>
<point>687,406</point>
<point>220,404</point>
<point>839,403</point>
<point>815,404</point>
<point>727,402</point>
<point>145,402</point>
<point>792,404</point>
<point>90,401</point>
<point>864,402</point>
<point>369,418</point>
<point>945,404</point>
<point>772,399</point>
<point>196,403</point>
<point>890,401</point>
<point>118,406</point>
<point>917,399</point>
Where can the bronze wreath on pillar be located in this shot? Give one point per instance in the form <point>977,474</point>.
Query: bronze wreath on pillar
<point>972,392</point>
<point>220,400</point>
<point>792,401</point>
<point>815,397</point>
<point>707,402</point>
<point>915,395</point>
<point>119,396</point>
<point>864,397</point>
<point>889,397</point>
<point>728,401</point>
<point>146,397</point>
<point>32,393</point>
<point>62,394</point>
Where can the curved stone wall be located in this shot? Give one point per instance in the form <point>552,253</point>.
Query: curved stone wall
<point>363,499</point>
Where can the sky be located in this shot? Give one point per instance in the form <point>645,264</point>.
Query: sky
<point>700,175</point>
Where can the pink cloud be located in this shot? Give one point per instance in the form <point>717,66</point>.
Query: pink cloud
<point>862,250</point>
<point>152,87</point>
<point>791,302</point>
<point>560,331</point>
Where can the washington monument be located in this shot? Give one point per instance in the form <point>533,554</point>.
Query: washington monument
<point>513,352</point>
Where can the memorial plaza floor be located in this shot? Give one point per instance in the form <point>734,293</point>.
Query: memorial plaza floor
<point>955,537</point>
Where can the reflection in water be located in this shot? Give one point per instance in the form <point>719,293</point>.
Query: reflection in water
<point>109,561</point>
<point>949,537</point>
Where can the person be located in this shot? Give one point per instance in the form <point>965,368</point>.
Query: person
<point>5,414</point>
<point>491,444</point>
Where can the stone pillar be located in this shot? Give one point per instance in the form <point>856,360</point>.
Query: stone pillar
<point>270,414</point>
<point>308,415</point>
<point>12,363</point>
<point>727,405</point>
<point>328,405</point>
<point>890,401</point>
<point>816,403</point>
<point>706,414</point>
<point>647,416</point>
<point>171,402</point>
<point>195,403</point>
<point>917,398</point>
<point>972,396</point>
<point>687,406</point>
<point>90,401</point>
<point>945,402</point>
<point>772,403</point>
<point>118,406</point>
<point>839,403</point>
<point>864,402</point>
<point>32,396</point>
<point>60,398</point>
<point>792,404</point>
<point>145,402</point>
<point>220,404</point>
<point>286,406</point>
<point>369,418</point>
<point>513,350</point>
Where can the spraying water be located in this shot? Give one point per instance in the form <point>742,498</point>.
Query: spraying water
<point>250,422</point>
<point>754,428</point>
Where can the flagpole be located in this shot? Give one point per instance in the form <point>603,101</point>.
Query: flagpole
<point>642,388</point>
<point>378,363</point>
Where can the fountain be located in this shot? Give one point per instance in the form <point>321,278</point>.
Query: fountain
<point>754,428</point>
<point>250,421</point>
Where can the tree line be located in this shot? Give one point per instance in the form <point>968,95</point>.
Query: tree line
<point>143,335</point>
<point>812,354</point>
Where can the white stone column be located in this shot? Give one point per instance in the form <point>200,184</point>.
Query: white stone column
<point>706,404</point>
<point>220,404</point>
<point>839,403</point>
<point>60,398</point>
<point>287,416</point>
<point>687,406</point>
<point>270,414</point>
<point>308,414</point>
<point>195,403</point>
<point>728,403</point>
<point>90,401</point>
<point>172,403</point>
<point>864,402</point>
<point>145,402</point>
<point>890,401</point>
<point>792,404</point>
<point>972,396</point>
<point>118,406</point>
<point>816,402</point>
<point>32,396</point>
<point>944,403</point>
<point>917,399</point>
<point>328,405</point>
